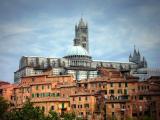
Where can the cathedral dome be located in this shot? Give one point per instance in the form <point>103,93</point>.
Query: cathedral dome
<point>77,50</point>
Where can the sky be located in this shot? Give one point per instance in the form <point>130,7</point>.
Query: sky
<point>46,28</point>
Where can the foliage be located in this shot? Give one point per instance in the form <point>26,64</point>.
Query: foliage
<point>147,118</point>
<point>53,116</point>
<point>142,118</point>
<point>69,116</point>
<point>129,118</point>
<point>28,112</point>
<point>78,118</point>
<point>3,108</point>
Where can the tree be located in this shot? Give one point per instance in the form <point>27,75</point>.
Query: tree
<point>31,113</point>
<point>3,108</point>
<point>147,118</point>
<point>28,112</point>
<point>69,116</point>
<point>53,116</point>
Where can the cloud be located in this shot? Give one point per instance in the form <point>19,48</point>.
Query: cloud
<point>11,29</point>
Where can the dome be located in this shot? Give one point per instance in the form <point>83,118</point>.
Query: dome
<point>77,50</point>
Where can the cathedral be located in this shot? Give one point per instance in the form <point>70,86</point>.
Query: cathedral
<point>136,58</point>
<point>77,61</point>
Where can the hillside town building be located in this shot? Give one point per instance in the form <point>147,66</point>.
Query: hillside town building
<point>113,94</point>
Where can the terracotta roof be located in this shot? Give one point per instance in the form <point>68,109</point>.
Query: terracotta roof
<point>3,82</point>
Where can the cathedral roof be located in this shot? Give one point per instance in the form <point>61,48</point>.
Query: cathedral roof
<point>77,50</point>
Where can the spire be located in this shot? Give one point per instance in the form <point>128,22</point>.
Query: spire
<point>144,59</point>
<point>135,52</point>
<point>144,62</point>
<point>76,26</point>
<point>130,55</point>
<point>138,52</point>
<point>81,22</point>
<point>134,48</point>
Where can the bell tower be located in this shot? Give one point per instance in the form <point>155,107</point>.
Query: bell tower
<point>81,35</point>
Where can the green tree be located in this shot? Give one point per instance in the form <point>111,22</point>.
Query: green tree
<point>147,118</point>
<point>69,116</point>
<point>31,113</point>
<point>53,116</point>
<point>28,112</point>
<point>3,108</point>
